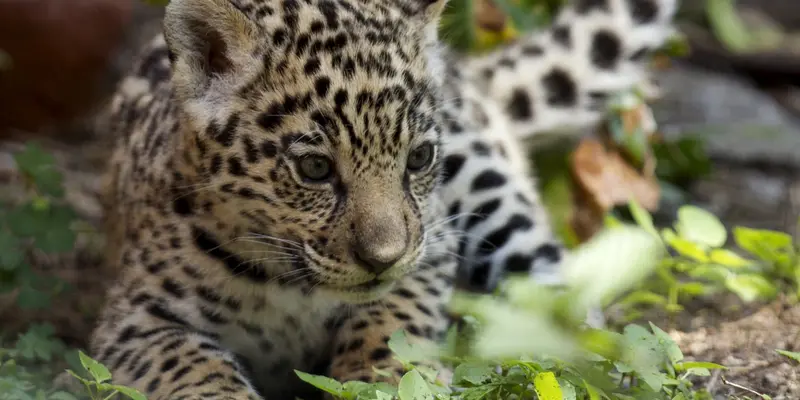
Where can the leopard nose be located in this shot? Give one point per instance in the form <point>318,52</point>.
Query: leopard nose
<point>378,260</point>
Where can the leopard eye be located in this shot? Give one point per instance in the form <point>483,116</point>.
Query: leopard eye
<point>420,157</point>
<point>315,168</point>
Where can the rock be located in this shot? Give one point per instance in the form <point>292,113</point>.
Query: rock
<point>738,121</point>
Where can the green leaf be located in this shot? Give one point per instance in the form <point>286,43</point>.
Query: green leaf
<point>687,248</point>
<point>32,298</point>
<point>56,240</point>
<point>591,391</point>
<point>790,354</point>
<point>642,217</point>
<point>40,167</point>
<point>671,348</point>
<point>38,343</point>
<point>644,356</point>
<point>751,287</point>
<point>131,393</point>
<point>407,352</point>
<point>611,263</point>
<point>681,160</point>
<point>458,25</point>
<point>62,396</point>
<point>413,387</point>
<point>329,385</point>
<point>765,244</point>
<point>700,226</point>
<point>547,387</point>
<point>11,255</point>
<point>98,371</point>
<point>728,26</point>
<point>728,258</point>
<point>474,373</point>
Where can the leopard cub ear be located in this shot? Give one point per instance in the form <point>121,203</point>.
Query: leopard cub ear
<point>208,40</point>
<point>429,10</point>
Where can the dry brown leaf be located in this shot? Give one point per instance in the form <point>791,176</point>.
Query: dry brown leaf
<point>489,17</point>
<point>605,180</point>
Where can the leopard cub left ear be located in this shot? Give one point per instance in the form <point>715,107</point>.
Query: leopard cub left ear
<point>430,10</point>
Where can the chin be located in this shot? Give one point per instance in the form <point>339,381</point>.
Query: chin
<point>360,294</point>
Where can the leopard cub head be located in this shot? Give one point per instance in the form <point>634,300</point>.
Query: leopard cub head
<point>314,124</point>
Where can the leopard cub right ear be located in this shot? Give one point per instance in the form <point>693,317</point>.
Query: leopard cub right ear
<point>207,40</point>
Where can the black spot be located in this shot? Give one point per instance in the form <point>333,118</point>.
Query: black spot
<point>561,88</point>
<point>548,252</point>
<point>605,50</point>
<point>322,85</point>
<point>169,364</point>
<point>173,288</point>
<point>226,135</point>
<point>159,311</point>
<point>402,316</point>
<point>153,385</point>
<point>532,50</point>
<point>127,334</point>
<point>250,150</point>
<point>480,275</point>
<point>481,148</point>
<point>269,149</point>
<point>355,344</point>
<point>142,370</point>
<point>452,165</point>
<point>506,62</point>
<point>481,212</point>
<point>312,66</point>
<point>498,238</point>
<point>213,316</point>
<point>518,263</point>
<point>381,353</point>
<point>271,119</point>
<point>520,105</point>
<point>237,267</point>
<point>181,373</point>
<point>643,11</point>
<point>583,7</point>
<point>405,293</point>
<point>424,309</point>
<point>488,179</point>
<point>182,205</point>
<point>562,35</point>
<point>235,166</point>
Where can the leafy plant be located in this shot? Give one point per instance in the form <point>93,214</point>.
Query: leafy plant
<point>42,224</point>
<point>765,264</point>
<point>98,385</point>
<point>495,358</point>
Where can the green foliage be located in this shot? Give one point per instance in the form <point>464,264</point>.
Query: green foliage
<point>764,264</point>
<point>28,366</point>
<point>98,386</point>
<point>41,224</point>
<point>495,358</point>
<point>793,355</point>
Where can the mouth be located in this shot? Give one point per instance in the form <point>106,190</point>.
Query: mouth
<point>363,292</point>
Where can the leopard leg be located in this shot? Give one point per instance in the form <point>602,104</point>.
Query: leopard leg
<point>192,364</point>
<point>416,305</point>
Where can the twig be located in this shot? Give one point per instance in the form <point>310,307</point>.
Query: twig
<point>740,387</point>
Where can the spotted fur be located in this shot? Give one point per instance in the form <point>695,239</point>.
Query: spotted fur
<point>297,179</point>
